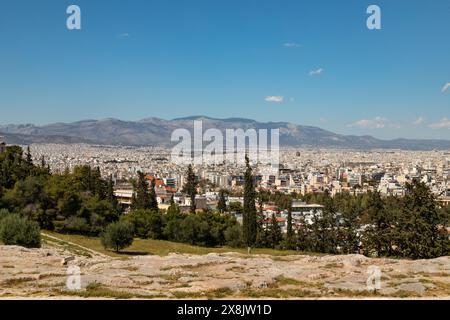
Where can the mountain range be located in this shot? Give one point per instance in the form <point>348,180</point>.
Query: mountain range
<point>155,131</point>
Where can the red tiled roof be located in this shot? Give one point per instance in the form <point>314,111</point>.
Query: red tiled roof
<point>277,218</point>
<point>171,190</point>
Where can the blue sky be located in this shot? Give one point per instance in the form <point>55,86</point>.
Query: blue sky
<point>224,58</point>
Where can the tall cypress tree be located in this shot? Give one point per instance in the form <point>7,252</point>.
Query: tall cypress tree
<point>249,210</point>
<point>43,163</point>
<point>190,187</point>
<point>290,235</point>
<point>29,158</point>
<point>141,198</point>
<point>110,196</point>
<point>29,162</point>
<point>153,201</point>
<point>261,236</point>
<point>222,204</point>
<point>99,186</point>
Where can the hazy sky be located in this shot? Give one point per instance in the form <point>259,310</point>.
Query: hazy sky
<point>307,62</point>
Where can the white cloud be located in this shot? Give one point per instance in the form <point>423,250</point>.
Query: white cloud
<point>276,99</point>
<point>316,72</point>
<point>446,87</point>
<point>375,123</point>
<point>443,124</point>
<point>123,35</point>
<point>291,45</point>
<point>418,121</point>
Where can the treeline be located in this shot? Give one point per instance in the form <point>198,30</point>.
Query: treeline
<point>81,202</point>
<point>77,201</point>
<point>197,228</point>
<point>413,226</point>
<point>204,229</point>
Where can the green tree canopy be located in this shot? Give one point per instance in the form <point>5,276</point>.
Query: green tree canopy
<point>117,236</point>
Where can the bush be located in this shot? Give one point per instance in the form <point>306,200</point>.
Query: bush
<point>233,236</point>
<point>16,230</point>
<point>117,236</point>
<point>146,223</point>
<point>76,225</point>
<point>195,231</point>
<point>4,213</point>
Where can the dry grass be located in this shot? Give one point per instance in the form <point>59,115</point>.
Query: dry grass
<point>159,247</point>
<point>210,294</point>
<point>12,282</point>
<point>95,290</point>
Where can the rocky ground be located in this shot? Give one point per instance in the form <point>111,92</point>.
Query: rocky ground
<point>43,273</point>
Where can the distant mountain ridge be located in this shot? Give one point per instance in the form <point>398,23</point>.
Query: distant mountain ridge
<point>156,131</point>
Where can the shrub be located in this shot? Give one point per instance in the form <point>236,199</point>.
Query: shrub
<point>233,236</point>
<point>76,225</point>
<point>16,230</point>
<point>146,223</point>
<point>117,236</point>
<point>4,213</point>
<point>195,230</point>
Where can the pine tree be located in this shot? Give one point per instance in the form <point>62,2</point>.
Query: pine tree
<point>249,210</point>
<point>222,204</point>
<point>110,196</point>
<point>329,226</point>
<point>275,232</point>
<point>304,236</point>
<point>378,238</point>
<point>421,232</point>
<point>348,231</point>
<point>324,228</point>
<point>141,197</point>
<point>190,187</point>
<point>173,212</point>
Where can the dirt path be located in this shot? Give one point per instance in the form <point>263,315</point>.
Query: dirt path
<point>58,240</point>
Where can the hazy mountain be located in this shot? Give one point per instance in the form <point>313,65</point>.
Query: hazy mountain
<point>155,131</point>
<point>26,139</point>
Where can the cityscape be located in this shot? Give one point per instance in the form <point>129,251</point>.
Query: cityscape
<point>302,171</point>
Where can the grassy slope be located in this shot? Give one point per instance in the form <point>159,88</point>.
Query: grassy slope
<point>160,247</point>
